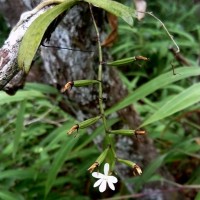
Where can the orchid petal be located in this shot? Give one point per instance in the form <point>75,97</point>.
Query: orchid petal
<point>97,183</point>
<point>112,179</point>
<point>97,175</point>
<point>111,185</point>
<point>106,169</point>
<point>102,187</point>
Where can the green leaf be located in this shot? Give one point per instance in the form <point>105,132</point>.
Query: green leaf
<point>59,160</point>
<point>34,34</point>
<point>150,170</point>
<point>117,9</point>
<point>6,195</point>
<point>19,126</point>
<point>43,88</point>
<point>19,96</point>
<point>197,196</point>
<point>181,101</point>
<point>155,84</point>
<point>18,174</point>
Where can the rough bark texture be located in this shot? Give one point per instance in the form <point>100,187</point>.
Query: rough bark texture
<point>60,66</point>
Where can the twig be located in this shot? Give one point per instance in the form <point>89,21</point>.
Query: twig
<point>165,28</point>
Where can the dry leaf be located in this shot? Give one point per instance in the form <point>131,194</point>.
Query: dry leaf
<point>113,22</point>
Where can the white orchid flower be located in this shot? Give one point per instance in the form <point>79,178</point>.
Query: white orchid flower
<point>104,179</point>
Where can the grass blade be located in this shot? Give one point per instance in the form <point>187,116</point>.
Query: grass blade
<point>155,84</point>
<point>19,126</point>
<point>59,161</point>
<point>181,101</point>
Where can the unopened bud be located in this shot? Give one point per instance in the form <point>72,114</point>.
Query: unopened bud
<point>122,132</point>
<point>80,83</point>
<point>102,156</point>
<point>73,129</point>
<point>99,160</point>
<point>126,61</point>
<point>136,169</point>
<point>121,62</point>
<point>89,122</point>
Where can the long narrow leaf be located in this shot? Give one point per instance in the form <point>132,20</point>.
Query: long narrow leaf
<point>35,32</point>
<point>181,101</point>
<point>155,84</point>
<point>19,126</point>
<point>6,195</point>
<point>18,174</point>
<point>58,162</point>
<point>19,96</point>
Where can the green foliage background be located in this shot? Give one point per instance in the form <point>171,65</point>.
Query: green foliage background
<point>39,161</point>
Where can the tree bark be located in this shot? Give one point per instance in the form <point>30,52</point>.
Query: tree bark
<point>60,66</point>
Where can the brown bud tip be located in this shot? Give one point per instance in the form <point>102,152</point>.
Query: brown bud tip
<point>67,86</point>
<point>141,58</point>
<point>137,170</point>
<point>93,167</point>
<point>72,129</point>
<point>140,132</point>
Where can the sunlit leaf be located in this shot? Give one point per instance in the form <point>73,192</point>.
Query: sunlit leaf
<point>157,83</point>
<point>181,101</point>
<point>19,96</point>
<point>19,126</point>
<point>117,9</point>
<point>34,34</point>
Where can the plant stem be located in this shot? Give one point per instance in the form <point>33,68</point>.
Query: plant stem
<point>99,71</point>
<point>100,83</point>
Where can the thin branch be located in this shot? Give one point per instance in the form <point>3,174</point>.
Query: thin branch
<point>165,28</point>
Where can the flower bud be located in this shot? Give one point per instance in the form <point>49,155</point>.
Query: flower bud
<point>88,122</point>
<point>122,132</point>
<point>136,169</point>
<point>102,156</point>
<point>78,83</point>
<point>126,61</point>
<point>81,83</point>
<point>99,160</point>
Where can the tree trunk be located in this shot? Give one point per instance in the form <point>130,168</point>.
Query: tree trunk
<point>61,65</point>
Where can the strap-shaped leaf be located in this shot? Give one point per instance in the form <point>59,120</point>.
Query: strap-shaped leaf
<point>117,9</point>
<point>181,101</point>
<point>155,84</point>
<point>35,32</point>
